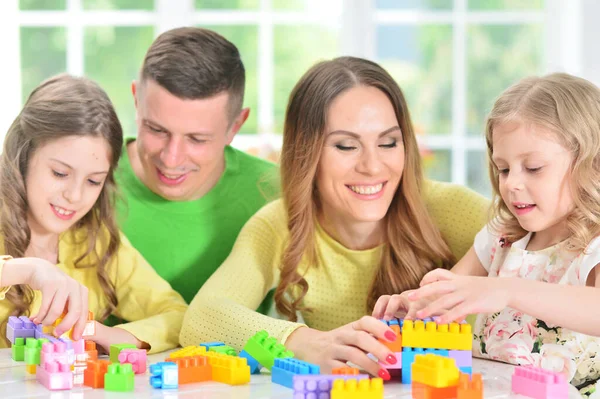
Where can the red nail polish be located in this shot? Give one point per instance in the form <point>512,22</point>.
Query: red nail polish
<point>383,373</point>
<point>390,336</point>
<point>391,359</point>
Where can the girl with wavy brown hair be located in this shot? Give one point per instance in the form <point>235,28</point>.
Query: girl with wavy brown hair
<point>62,250</point>
<point>356,221</point>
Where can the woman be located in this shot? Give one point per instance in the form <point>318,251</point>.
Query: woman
<point>356,221</point>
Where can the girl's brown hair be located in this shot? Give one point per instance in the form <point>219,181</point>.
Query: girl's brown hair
<point>414,245</point>
<point>59,107</point>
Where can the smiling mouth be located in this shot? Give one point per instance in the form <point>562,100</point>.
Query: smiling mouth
<point>366,189</point>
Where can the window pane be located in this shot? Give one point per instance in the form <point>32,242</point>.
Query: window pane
<point>477,173</point>
<point>42,4</point>
<point>289,4</point>
<point>43,54</point>
<point>420,59</point>
<point>498,56</point>
<point>329,7</point>
<point>113,57</point>
<point>506,4</point>
<point>118,5</point>
<point>227,4</point>
<point>412,4</point>
<point>297,48</point>
<point>245,39</point>
<point>437,164</point>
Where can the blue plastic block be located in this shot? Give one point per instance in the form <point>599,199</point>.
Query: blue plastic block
<point>284,370</point>
<point>408,358</point>
<point>252,362</point>
<point>164,375</point>
<point>466,370</point>
<point>207,345</point>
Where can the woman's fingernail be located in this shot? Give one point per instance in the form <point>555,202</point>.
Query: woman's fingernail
<point>390,336</point>
<point>391,359</point>
<point>383,373</point>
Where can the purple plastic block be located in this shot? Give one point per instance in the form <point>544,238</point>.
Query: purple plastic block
<point>462,358</point>
<point>19,327</point>
<point>318,386</point>
<point>39,332</point>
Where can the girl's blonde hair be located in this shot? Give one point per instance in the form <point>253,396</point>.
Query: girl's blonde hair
<point>569,107</point>
<point>61,106</point>
<point>414,245</point>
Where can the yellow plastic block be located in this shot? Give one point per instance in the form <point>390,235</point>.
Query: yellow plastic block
<point>357,389</point>
<point>435,371</point>
<point>228,369</point>
<point>189,351</point>
<point>417,334</point>
<point>31,368</point>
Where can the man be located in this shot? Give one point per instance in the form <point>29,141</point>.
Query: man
<point>186,192</point>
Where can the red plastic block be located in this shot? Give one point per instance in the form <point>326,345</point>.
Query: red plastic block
<point>55,375</point>
<point>469,388</point>
<point>538,383</point>
<point>93,376</point>
<point>135,357</point>
<point>192,369</point>
<point>422,391</point>
<point>345,371</point>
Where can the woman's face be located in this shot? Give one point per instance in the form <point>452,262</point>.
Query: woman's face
<point>363,157</point>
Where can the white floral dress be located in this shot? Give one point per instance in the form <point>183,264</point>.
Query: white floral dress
<point>514,337</point>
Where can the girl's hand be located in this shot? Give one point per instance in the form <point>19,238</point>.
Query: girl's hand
<point>399,305</point>
<point>352,342</point>
<point>459,296</point>
<point>60,293</point>
<point>106,336</point>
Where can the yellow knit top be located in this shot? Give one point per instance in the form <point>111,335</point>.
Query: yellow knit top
<point>223,309</point>
<point>154,311</point>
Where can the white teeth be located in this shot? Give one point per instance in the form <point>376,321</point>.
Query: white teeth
<point>367,190</point>
<point>172,177</point>
<point>521,206</point>
<point>62,211</point>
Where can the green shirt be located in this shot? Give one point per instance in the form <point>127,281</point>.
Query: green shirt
<point>187,241</point>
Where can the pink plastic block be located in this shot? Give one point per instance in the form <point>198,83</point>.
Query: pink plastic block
<point>79,347</point>
<point>54,352</point>
<point>135,357</point>
<point>55,375</point>
<point>538,383</point>
<point>397,366</point>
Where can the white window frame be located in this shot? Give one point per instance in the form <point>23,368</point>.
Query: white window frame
<point>570,27</point>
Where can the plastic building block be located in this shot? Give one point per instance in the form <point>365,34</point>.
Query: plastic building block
<point>283,371</point>
<point>164,375</point>
<point>396,366</point>
<point>417,334</point>
<point>395,346</point>
<point>44,332</point>
<point>208,345</point>
<point>55,375</point>
<point>408,358</point>
<point>434,370</point>
<point>252,362</point>
<point>423,391</point>
<point>469,388</point>
<point>19,327</point>
<point>30,368</point>
<point>192,369</point>
<point>93,376</point>
<point>228,369</point>
<point>539,383</point>
<point>188,351</point>
<point>310,386</point>
<point>266,349</point>
<point>224,349</point>
<point>33,349</point>
<point>119,378</point>
<point>89,329</point>
<point>466,370</point>
<point>345,371</point>
<point>135,357</point>
<point>116,349</point>
<point>90,350</point>
<point>18,349</point>
<point>462,358</point>
<point>353,389</point>
<point>54,352</point>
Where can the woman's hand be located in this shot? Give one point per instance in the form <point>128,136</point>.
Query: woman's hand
<point>349,343</point>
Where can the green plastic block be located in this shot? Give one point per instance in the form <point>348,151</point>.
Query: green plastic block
<point>33,347</point>
<point>119,378</point>
<point>266,349</point>
<point>18,350</point>
<point>224,349</point>
<point>116,349</point>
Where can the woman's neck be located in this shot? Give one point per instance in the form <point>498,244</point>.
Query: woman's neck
<point>353,235</point>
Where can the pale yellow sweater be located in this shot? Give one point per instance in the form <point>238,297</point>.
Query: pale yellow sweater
<point>223,309</point>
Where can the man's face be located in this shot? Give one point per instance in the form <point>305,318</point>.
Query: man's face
<point>180,143</point>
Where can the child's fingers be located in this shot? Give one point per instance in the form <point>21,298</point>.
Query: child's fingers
<point>440,305</point>
<point>458,313</point>
<point>380,306</point>
<point>395,304</point>
<point>437,288</point>
<point>47,299</point>
<point>436,275</point>
<point>82,320</point>
<point>57,306</point>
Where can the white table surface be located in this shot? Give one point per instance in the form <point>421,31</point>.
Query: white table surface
<point>16,383</point>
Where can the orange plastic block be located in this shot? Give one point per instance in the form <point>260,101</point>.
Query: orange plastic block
<point>435,371</point>
<point>417,334</point>
<point>188,351</point>
<point>422,391</point>
<point>192,369</point>
<point>357,389</point>
<point>345,371</point>
<point>469,388</point>
<point>395,346</point>
<point>228,369</point>
<point>90,350</point>
<point>89,329</point>
<point>93,376</point>
<point>31,368</point>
